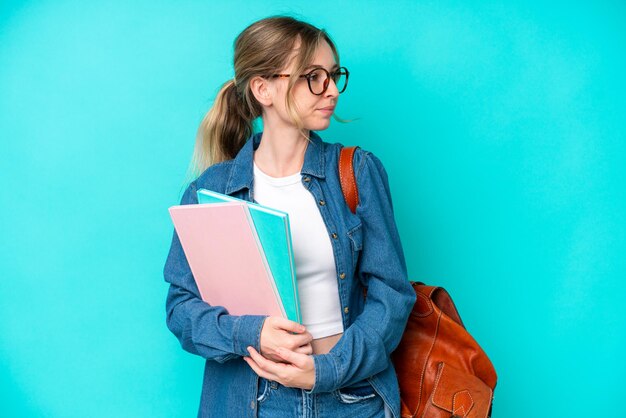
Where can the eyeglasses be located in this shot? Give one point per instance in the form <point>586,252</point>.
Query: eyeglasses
<point>319,79</point>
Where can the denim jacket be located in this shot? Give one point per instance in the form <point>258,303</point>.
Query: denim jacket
<point>367,251</point>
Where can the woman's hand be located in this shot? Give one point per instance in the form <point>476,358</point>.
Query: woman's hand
<point>279,332</point>
<point>295,371</point>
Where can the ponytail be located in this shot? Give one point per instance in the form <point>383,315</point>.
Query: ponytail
<point>223,130</point>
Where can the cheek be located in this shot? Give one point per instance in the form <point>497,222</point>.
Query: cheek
<point>306,101</point>
<point>310,106</point>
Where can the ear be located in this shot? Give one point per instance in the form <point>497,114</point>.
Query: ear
<point>262,90</point>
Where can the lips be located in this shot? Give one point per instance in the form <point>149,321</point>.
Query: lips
<point>329,108</point>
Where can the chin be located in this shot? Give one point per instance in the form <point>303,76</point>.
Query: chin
<point>318,125</point>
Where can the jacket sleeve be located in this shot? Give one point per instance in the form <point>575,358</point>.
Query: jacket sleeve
<point>365,347</point>
<point>202,329</point>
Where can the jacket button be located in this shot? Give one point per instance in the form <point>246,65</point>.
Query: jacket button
<point>334,235</point>
<point>342,276</point>
<point>307,179</point>
<point>346,310</point>
<point>322,203</point>
<point>252,405</point>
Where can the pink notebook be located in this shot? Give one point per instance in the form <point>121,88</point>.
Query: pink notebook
<point>226,258</point>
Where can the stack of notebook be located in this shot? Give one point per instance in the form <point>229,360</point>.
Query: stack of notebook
<point>240,254</point>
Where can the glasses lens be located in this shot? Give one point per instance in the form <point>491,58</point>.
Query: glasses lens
<point>340,77</point>
<point>317,79</point>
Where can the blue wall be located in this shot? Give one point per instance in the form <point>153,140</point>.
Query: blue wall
<point>501,125</point>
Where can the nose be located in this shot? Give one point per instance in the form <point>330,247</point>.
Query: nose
<point>332,90</point>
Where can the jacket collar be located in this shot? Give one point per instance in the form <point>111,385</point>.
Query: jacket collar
<point>242,173</point>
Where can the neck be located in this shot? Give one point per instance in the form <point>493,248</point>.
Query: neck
<point>281,151</point>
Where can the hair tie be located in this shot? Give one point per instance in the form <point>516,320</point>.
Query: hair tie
<point>237,92</point>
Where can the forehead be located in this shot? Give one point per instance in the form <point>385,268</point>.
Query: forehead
<point>323,56</point>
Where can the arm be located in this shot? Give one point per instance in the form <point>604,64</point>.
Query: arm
<point>366,345</point>
<point>202,329</point>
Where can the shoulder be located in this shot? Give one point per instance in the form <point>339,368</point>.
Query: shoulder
<point>367,163</point>
<point>367,166</point>
<point>213,178</point>
<point>332,150</point>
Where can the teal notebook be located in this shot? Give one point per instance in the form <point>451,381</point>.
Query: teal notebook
<point>275,235</point>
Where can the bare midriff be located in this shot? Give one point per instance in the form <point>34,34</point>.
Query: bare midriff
<point>324,345</point>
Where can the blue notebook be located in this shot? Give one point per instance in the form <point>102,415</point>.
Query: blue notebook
<point>273,230</point>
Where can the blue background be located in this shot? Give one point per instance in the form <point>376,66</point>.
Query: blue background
<point>501,125</point>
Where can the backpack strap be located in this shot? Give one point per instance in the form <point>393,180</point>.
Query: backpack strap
<point>348,182</point>
<point>347,179</point>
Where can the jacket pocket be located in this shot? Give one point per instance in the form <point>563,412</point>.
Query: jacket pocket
<point>265,389</point>
<point>356,393</point>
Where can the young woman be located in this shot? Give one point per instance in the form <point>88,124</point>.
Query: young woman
<point>337,363</point>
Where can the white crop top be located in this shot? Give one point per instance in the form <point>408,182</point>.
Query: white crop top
<point>315,263</point>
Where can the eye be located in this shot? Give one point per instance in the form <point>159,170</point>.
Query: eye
<point>317,75</point>
<point>337,74</point>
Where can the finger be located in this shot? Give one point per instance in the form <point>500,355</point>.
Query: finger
<point>259,371</point>
<point>306,335</point>
<point>304,349</point>
<point>287,325</point>
<point>299,360</point>
<point>265,364</point>
<point>299,340</point>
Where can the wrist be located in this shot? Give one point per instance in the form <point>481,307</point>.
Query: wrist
<point>325,372</point>
<point>247,332</point>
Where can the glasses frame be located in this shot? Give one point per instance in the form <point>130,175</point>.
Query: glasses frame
<point>326,82</point>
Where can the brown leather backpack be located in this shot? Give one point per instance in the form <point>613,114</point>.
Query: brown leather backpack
<point>442,371</point>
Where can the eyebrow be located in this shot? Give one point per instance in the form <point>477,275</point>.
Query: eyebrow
<point>318,66</point>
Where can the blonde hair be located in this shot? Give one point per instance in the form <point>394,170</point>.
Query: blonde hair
<point>263,48</point>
